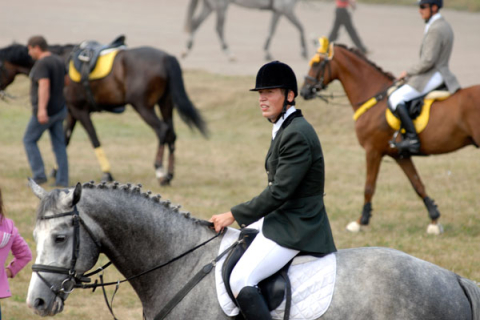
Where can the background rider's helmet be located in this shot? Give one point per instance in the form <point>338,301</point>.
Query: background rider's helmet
<point>439,3</point>
<point>276,74</point>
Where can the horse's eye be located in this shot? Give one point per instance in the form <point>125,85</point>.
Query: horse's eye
<point>60,238</point>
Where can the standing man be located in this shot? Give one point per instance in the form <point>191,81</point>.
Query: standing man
<point>290,212</point>
<point>342,17</point>
<point>427,74</point>
<point>49,111</point>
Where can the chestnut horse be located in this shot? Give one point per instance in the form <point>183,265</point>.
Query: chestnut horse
<point>454,123</point>
<point>142,77</point>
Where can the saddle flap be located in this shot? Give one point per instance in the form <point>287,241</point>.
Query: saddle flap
<point>273,288</point>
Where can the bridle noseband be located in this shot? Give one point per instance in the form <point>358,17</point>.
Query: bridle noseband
<point>73,279</point>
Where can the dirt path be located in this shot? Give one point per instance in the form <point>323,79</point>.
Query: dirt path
<point>392,33</point>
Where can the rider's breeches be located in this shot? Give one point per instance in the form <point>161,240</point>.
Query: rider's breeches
<point>407,93</point>
<point>263,258</point>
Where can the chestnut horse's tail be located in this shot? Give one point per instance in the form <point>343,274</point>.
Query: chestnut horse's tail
<point>191,10</point>
<point>189,114</point>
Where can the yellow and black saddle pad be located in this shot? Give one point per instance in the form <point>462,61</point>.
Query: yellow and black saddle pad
<point>421,121</point>
<point>103,66</point>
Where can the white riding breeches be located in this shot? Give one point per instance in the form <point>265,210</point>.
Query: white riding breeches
<point>407,93</point>
<point>263,258</point>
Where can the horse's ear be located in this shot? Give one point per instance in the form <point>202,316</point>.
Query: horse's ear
<point>77,193</point>
<point>37,190</point>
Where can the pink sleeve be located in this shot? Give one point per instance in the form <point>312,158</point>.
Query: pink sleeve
<point>21,253</point>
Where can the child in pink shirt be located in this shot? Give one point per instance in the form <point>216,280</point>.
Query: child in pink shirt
<point>10,240</point>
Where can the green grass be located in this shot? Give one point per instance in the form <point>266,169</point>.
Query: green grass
<point>213,175</point>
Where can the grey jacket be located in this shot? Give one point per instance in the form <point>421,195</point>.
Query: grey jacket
<point>437,45</point>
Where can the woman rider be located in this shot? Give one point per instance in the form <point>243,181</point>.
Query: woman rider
<point>290,211</point>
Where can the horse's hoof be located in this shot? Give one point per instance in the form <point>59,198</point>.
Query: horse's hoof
<point>268,57</point>
<point>107,177</point>
<point>184,54</point>
<point>435,229</point>
<point>165,181</point>
<point>232,58</point>
<point>353,226</point>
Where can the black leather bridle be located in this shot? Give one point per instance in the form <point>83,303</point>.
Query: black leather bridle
<point>316,84</point>
<point>73,279</point>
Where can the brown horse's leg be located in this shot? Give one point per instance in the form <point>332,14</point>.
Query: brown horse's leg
<point>166,109</point>
<point>83,116</point>
<point>409,168</point>
<point>374,159</point>
<point>150,117</point>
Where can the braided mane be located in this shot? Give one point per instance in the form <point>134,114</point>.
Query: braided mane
<point>363,57</point>
<point>131,189</point>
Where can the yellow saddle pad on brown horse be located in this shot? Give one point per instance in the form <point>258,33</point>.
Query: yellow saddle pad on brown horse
<point>103,66</point>
<point>421,121</point>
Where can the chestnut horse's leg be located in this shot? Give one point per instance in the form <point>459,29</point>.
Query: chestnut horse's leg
<point>83,115</point>
<point>166,108</point>
<point>374,159</point>
<point>411,172</point>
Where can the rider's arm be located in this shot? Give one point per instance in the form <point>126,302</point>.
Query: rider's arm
<point>431,49</point>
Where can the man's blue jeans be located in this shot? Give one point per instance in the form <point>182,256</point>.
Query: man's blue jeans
<point>34,133</point>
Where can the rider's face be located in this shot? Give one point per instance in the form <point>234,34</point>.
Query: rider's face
<point>271,102</point>
<point>427,10</point>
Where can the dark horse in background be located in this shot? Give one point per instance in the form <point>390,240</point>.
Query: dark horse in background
<point>142,77</point>
<point>454,122</point>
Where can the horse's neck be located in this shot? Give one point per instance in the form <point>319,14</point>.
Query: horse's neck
<point>360,80</point>
<point>139,234</point>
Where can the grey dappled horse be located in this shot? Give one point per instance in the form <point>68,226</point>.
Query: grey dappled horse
<point>278,7</point>
<point>137,231</point>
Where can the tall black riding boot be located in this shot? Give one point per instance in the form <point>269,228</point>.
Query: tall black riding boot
<point>410,143</point>
<point>252,304</point>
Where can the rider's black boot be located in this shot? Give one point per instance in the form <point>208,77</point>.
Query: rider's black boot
<point>410,143</point>
<point>252,304</point>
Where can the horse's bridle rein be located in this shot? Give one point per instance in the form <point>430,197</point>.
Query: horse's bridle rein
<point>73,280</point>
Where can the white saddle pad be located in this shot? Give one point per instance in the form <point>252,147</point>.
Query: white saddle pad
<point>312,280</point>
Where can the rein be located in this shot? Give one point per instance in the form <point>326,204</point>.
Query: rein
<point>75,280</point>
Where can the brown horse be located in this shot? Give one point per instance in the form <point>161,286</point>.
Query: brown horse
<point>14,60</point>
<point>454,123</point>
<point>142,77</point>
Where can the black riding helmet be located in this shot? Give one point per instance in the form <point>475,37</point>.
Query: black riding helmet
<point>276,74</point>
<point>439,3</point>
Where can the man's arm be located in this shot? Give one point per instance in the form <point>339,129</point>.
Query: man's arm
<point>43,97</point>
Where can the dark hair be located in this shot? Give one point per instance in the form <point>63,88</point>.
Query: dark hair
<point>2,208</point>
<point>38,41</point>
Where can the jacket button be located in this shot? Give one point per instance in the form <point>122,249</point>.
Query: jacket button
<point>243,225</point>
<point>270,183</point>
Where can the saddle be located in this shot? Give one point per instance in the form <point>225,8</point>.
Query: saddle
<point>419,109</point>
<point>274,289</point>
<point>92,60</point>
<point>88,52</point>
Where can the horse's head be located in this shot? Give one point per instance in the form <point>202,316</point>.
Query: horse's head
<point>65,249</point>
<point>320,73</point>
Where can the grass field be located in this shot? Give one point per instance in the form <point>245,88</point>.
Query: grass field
<point>214,174</point>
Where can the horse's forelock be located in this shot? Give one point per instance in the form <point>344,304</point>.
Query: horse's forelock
<point>49,202</point>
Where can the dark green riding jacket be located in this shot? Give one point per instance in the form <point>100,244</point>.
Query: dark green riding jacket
<point>292,203</point>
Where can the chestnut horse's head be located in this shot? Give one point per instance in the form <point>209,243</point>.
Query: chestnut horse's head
<point>320,73</point>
